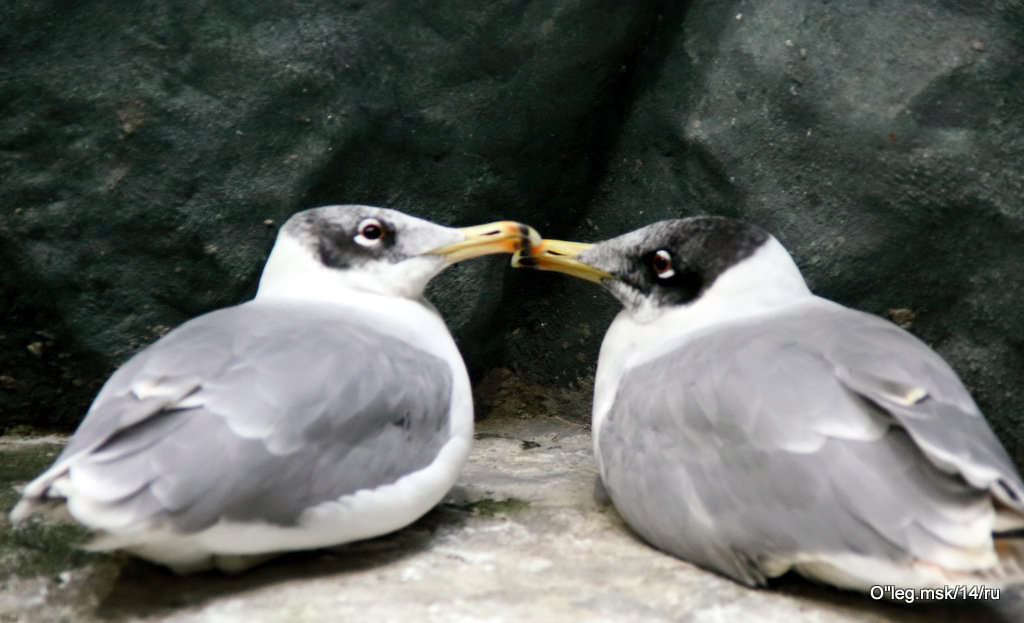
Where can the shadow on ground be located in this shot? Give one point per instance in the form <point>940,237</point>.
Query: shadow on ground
<point>523,536</point>
<point>142,589</point>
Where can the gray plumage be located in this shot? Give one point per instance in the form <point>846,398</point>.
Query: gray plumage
<point>362,409</point>
<point>332,407</point>
<point>752,428</point>
<point>795,440</point>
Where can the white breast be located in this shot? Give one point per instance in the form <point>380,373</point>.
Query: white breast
<point>765,282</point>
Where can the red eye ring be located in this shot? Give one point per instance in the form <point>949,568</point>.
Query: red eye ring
<point>371,232</point>
<point>661,263</point>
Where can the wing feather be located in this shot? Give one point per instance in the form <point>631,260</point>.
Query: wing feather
<point>288,406</point>
<point>753,448</point>
<point>902,376</point>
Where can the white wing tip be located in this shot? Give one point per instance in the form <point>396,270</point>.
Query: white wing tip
<point>22,510</point>
<point>913,396</point>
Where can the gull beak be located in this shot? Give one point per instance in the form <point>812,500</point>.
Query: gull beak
<point>560,256</point>
<point>498,237</point>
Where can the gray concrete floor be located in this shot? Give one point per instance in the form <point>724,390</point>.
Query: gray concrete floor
<point>522,537</point>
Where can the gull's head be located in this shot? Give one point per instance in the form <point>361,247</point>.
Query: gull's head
<point>703,261</point>
<point>323,251</point>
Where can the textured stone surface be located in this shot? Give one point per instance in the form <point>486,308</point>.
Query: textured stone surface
<point>881,142</point>
<point>522,537</point>
<point>148,149</point>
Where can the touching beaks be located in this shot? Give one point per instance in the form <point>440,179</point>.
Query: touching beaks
<point>527,248</point>
<point>560,256</point>
<point>497,237</point>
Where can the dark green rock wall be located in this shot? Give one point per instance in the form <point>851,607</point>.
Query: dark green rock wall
<point>149,149</point>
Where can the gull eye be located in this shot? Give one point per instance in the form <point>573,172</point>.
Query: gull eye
<point>661,264</point>
<point>371,232</point>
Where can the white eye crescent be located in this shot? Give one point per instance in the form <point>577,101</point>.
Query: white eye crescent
<point>661,262</point>
<point>370,232</point>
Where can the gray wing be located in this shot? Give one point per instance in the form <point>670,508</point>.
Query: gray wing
<point>257,412</point>
<point>903,377</point>
<point>756,445</point>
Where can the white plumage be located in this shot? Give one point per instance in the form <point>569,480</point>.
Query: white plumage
<point>746,425</point>
<point>332,407</point>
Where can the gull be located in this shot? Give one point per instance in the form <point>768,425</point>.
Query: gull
<point>750,427</point>
<point>334,406</point>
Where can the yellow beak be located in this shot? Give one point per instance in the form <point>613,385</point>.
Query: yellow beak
<point>497,237</point>
<point>560,256</point>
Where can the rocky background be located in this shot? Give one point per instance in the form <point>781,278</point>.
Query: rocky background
<point>149,150</point>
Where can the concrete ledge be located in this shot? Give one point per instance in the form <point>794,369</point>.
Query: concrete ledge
<point>523,537</point>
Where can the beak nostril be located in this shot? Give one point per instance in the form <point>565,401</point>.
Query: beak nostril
<point>559,256</point>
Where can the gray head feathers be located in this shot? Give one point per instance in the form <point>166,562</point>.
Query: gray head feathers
<point>672,263</point>
<point>347,236</point>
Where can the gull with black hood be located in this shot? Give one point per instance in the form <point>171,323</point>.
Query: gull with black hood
<point>746,425</point>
